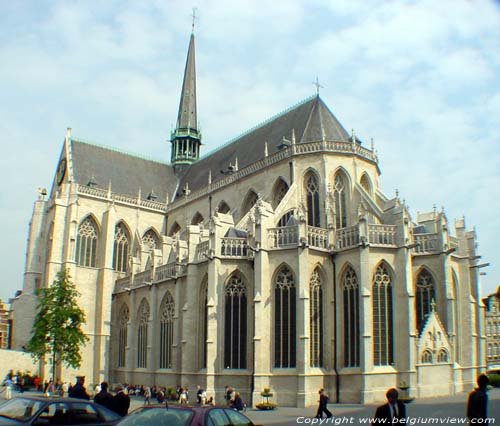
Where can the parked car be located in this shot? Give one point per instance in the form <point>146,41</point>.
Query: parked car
<point>185,416</point>
<point>45,411</point>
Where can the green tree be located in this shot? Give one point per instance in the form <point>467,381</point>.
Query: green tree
<point>57,329</point>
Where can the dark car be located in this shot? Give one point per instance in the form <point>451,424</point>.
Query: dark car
<point>185,416</point>
<point>44,411</point>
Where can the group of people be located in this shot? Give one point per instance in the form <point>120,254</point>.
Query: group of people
<point>393,409</point>
<point>233,399</point>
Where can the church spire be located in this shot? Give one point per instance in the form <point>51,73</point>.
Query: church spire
<point>186,138</point>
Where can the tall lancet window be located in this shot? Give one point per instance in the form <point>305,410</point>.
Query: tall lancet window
<point>120,251</point>
<point>339,192</point>
<point>142,334</point>
<point>204,322</point>
<point>284,319</point>
<point>235,323</point>
<point>279,191</point>
<point>316,319</point>
<point>382,316</point>
<point>425,295</point>
<point>151,240</point>
<point>166,330</point>
<point>312,191</point>
<point>122,335</point>
<point>86,243</point>
<point>350,289</point>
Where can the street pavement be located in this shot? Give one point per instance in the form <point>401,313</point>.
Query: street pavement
<point>422,411</point>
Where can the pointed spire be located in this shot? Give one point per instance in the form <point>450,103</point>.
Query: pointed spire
<point>266,150</point>
<point>187,117</point>
<point>210,176</point>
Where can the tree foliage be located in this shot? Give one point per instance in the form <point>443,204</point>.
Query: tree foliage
<point>57,329</point>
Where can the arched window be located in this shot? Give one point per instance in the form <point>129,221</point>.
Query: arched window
<point>86,243</point>
<point>456,314</point>
<point>316,319</point>
<point>382,316</point>
<point>249,202</point>
<point>122,335</point>
<point>166,330</point>
<point>174,229</point>
<point>350,289</point>
<point>142,334</point>
<point>223,207</point>
<point>120,249</point>
<point>284,220</point>
<point>150,240</point>
<point>50,238</point>
<point>284,319</point>
<point>204,322</point>
<point>235,323</point>
<point>442,355</point>
<point>339,193</point>
<point>426,357</point>
<point>312,191</point>
<point>279,191</point>
<point>366,183</point>
<point>197,219</point>
<point>424,297</point>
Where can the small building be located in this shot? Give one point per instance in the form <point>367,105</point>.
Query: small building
<point>492,326</point>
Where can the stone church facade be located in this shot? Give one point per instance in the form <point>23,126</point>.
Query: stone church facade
<point>274,261</point>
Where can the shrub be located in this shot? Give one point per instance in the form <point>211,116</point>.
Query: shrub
<point>494,380</point>
<point>266,406</point>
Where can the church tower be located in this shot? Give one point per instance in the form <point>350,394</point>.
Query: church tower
<point>186,138</point>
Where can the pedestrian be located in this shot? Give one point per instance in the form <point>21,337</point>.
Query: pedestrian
<point>199,393</point>
<point>65,389</point>
<point>323,405</point>
<point>237,402</point>
<point>103,397</point>
<point>183,397</point>
<point>477,403</point>
<point>36,382</point>
<point>393,409</point>
<point>8,384</point>
<point>147,395</point>
<point>78,391</point>
<point>121,401</point>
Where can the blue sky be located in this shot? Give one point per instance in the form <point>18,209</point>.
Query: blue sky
<point>421,78</point>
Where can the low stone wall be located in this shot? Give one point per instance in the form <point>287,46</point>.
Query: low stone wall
<point>16,361</point>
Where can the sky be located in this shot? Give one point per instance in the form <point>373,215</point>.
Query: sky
<point>422,78</point>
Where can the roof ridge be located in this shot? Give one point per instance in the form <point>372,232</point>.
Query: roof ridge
<point>120,151</point>
<point>258,126</point>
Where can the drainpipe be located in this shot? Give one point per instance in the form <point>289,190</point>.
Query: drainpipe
<point>337,378</point>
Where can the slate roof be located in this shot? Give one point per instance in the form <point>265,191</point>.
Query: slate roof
<point>127,173</point>
<point>311,120</point>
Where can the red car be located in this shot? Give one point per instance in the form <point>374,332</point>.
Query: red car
<point>185,416</point>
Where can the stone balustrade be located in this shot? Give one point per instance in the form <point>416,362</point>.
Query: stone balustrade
<point>382,235</point>
<point>201,254</point>
<point>169,271</point>
<point>317,237</point>
<point>234,247</point>
<point>347,237</point>
<point>427,243</point>
<point>283,236</point>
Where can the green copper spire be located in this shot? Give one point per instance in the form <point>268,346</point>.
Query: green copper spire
<point>186,138</point>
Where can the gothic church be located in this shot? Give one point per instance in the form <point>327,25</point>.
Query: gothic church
<point>274,261</point>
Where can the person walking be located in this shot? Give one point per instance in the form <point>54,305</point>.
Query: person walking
<point>103,397</point>
<point>78,391</point>
<point>477,402</point>
<point>147,395</point>
<point>323,405</point>
<point>121,402</point>
<point>393,409</point>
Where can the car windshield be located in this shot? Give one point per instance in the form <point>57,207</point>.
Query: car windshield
<point>21,409</point>
<point>158,417</point>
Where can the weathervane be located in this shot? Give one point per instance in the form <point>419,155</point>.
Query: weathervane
<point>194,16</point>
<point>318,86</point>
